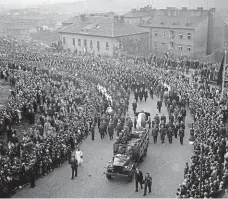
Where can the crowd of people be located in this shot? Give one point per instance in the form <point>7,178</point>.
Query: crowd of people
<point>62,91</point>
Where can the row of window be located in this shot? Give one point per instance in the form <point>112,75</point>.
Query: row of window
<point>172,46</point>
<point>172,35</point>
<point>85,43</point>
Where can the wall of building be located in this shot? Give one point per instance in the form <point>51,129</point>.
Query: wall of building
<point>200,42</point>
<point>82,49</point>
<point>164,44</point>
<point>136,45</point>
<point>219,32</point>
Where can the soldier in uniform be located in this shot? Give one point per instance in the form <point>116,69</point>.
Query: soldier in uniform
<point>92,130</point>
<point>110,129</point>
<point>155,134</point>
<point>159,105</point>
<point>162,133</point>
<point>163,118</point>
<point>181,135</point>
<point>134,106</point>
<point>147,183</point>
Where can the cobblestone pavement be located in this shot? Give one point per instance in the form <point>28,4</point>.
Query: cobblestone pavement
<point>164,162</point>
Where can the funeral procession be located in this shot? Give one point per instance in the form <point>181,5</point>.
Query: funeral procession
<point>114,99</point>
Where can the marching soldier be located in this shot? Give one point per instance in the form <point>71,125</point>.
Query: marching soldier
<point>155,134</point>
<point>92,130</point>
<point>170,133</point>
<point>163,118</point>
<point>148,183</point>
<point>145,93</point>
<point>134,106</point>
<point>159,105</point>
<point>162,133</point>
<point>181,135</point>
<point>110,129</point>
<point>101,131</point>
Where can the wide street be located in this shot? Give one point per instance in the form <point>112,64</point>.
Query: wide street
<point>164,162</point>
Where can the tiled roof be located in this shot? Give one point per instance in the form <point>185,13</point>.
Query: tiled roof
<point>104,27</point>
<point>138,14</point>
<point>174,22</point>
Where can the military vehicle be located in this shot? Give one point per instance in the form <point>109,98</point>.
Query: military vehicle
<point>129,150</point>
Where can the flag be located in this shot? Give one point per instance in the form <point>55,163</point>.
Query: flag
<point>220,74</point>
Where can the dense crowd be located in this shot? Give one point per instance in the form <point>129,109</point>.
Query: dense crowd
<point>59,95</point>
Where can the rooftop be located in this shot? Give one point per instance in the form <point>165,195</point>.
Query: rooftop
<point>174,22</point>
<point>104,27</point>
<point>138,13</point>
<point>90,18</point>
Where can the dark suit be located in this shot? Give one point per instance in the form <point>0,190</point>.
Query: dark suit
<point>138,179</point>
<point>74,167</point>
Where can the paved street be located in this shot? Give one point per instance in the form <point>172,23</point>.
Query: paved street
<point>164,162</point>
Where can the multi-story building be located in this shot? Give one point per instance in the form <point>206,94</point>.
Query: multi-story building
<point>104,36</point>
<point>178,35</point>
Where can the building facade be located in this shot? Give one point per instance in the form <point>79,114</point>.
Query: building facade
<point>179,36</point>
<point>105,36</point>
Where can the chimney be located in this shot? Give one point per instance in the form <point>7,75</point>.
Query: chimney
<point>184,8</point>
<point>82,17</point>
<point>122,19</point>
<point>116,18</point>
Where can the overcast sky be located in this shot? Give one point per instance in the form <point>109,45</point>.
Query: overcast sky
<point>135,3</point>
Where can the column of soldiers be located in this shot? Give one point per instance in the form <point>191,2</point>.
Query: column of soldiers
<point>174,125</point>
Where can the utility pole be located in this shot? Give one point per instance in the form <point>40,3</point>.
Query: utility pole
<point>224,69</point>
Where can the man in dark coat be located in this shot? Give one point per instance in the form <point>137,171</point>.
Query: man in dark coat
<point>155,134</point>
<point>159,105</point>
<point>92,130</point>
<point>138,179</point>
<point>148,183</point>
<point>74,167</point>
<point>145,94</point>
<point>134,106</point>
<point>181,135</point>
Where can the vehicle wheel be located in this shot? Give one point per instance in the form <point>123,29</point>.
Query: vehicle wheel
<point>108,176</point>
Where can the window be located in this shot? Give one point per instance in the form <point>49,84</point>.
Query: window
<point>163,45</point>
<point>155,33</point>
<point>98,45</point>
<point>188,48</point>
<point>73,41</point>
<point>171,45</point>
<point>189,35</point>
<point>180,47</point>
<point>64,40</point>
<point>85,43</point>
<point>79,42</point>
<point>163,35</point>
<point>171,34</point>
<point>155,45</point>
<point>107,46</point>
<point>91,44</point>
<point>180,36</point>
